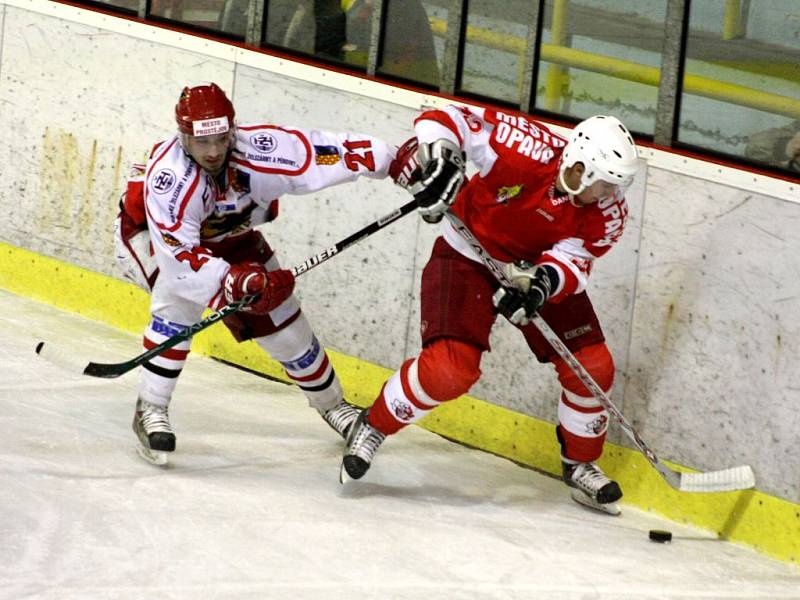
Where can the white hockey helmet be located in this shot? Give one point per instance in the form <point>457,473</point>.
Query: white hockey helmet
<point>606,149</point>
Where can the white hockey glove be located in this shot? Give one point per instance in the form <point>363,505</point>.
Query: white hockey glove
<point>443,166</point>
<point>534,284</point>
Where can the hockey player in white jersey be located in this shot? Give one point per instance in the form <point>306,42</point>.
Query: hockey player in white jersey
<point>185,233</point>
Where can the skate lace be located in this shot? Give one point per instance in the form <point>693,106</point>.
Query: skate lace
<point>591,478</point>
<point>155,418</point>
<point>341,416</point>
<point>366,441</point>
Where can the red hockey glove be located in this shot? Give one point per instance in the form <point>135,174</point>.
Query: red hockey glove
<point>405,170</point>
<point>244,279</point>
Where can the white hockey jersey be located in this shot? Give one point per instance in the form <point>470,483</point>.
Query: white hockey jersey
<point>186,207</point>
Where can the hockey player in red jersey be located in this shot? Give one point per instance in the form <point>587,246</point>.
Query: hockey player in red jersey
<point>545,208</point>
<point>185,233</point>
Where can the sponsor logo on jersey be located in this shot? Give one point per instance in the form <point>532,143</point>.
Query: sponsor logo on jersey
<point>526,138</point>
<point>170,240</point>
<point>545,214</point>
<point>279,160</point>
<point>164,181</point>
<point>556,200</point>
<point>402,410</point>
<point>615,213</point>
<point>264,142</point>
<point>173,201</point>
<point>326,155</point>
<point>504,194</point>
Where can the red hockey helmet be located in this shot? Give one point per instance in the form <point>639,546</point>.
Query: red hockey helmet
<point>204,110</point>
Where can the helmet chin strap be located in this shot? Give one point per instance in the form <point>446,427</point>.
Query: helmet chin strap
<point>564,185</point>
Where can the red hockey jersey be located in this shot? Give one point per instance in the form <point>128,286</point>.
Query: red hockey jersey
<point>512,206</point>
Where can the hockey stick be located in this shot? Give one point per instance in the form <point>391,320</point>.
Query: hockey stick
<point>735,478</point>
<point>112,370</point>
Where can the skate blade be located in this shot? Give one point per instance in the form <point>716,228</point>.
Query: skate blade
<point>343,476</point>
<point>154,457</point>
<point>611,508</point>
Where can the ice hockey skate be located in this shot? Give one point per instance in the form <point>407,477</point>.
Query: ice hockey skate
<point>591,487</point>
<point>363,442</point>
<point>151,426</point>
<point>340,417</point>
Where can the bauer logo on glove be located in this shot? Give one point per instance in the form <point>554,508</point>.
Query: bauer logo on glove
<point>405,170</point>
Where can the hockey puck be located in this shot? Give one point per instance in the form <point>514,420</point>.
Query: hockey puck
<point>39,347</point>
<point>661,536</point>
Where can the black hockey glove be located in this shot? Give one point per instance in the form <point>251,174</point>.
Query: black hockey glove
<point>443,165</point>
<point>534,285</point>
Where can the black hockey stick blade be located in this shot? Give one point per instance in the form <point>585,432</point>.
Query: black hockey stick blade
<point>109,370</point>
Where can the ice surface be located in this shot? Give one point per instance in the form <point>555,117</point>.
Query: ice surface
<point>251,506</point>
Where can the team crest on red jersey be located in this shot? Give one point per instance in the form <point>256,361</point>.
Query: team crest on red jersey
<point>506,193</point>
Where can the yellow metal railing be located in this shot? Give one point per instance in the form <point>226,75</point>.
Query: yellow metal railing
<point>732,20</point>
<point>631,71</point>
